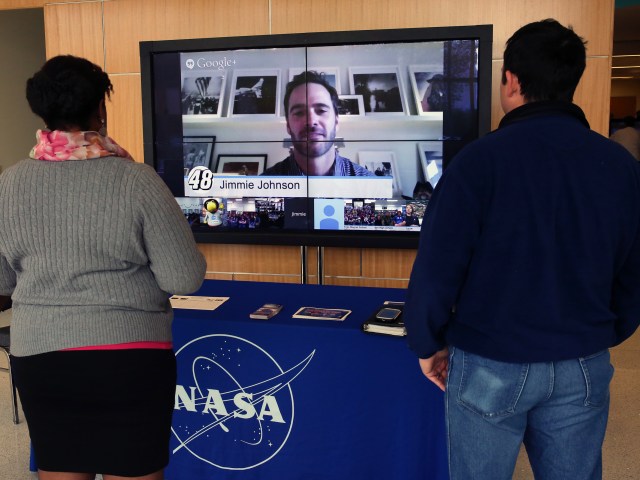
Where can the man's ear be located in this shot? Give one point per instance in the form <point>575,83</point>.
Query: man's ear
<point>512,85</point>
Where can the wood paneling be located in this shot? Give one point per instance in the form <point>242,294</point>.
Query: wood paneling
<point>127,22</point>
<point>124,114</point>
<point>592,94</point>
<point>16,4</point>
<point>248,277</point>
<point>371,264</point>
<point>254,259</point>
<point>267,278</point>
<point>342,262</point>
<point>385,263</point>
<point>496,107</point>
<point>592,19</point>
<point>75,29</point>
<point>367,282</point>
<point>218,276</point>
<point>312,262</point>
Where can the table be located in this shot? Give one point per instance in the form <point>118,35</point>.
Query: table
<point>294,399</point>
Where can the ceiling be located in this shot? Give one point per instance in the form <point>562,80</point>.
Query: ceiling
<point>626,41</point>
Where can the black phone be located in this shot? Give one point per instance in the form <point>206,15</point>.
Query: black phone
<point>388,314</point>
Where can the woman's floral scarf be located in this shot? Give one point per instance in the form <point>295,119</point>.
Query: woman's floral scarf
<point>58,146</point>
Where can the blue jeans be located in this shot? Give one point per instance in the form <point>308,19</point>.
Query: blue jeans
<point>558,409</point>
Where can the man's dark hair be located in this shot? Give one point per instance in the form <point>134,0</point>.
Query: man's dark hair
<point>548,60</point>
<point>303,78</point>
<point>66,91</point>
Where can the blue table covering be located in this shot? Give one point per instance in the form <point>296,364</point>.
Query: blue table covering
<point>293,399</point>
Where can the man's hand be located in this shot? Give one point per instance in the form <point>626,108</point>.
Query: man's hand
<point>435,367</point>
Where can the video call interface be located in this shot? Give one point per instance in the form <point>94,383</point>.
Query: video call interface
<point>361,145</point>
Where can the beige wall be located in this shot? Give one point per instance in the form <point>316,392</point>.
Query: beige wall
<point>22,53</point>
<point>107,32</point>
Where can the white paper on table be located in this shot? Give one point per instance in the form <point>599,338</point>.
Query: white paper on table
<point>196,302</point>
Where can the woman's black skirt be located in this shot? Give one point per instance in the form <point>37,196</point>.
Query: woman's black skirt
<point>98,411</point>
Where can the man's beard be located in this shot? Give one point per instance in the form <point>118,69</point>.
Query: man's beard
<point>314,148</point>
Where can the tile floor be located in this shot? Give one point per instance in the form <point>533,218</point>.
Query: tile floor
<point>620,459</point>
<point>622,443</point>
<point>14,439</point>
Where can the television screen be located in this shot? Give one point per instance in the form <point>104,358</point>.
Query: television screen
<point>334,138</point>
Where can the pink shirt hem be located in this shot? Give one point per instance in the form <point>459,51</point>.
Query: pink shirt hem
<point>126,346</point>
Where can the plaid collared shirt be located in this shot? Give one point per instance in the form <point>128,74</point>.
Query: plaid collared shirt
<point>342,167</point>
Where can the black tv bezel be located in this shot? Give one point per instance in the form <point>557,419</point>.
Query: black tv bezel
<point>338,238</point>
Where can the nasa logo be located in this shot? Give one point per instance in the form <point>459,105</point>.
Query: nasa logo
<point>232,394</point>
<point>190,63</point>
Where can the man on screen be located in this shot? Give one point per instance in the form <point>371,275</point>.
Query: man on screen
<point>311,110</point>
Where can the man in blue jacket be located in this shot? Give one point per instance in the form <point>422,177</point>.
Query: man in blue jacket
<point>528,270</point>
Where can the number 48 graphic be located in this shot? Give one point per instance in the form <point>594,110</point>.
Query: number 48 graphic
<point>200,178</point>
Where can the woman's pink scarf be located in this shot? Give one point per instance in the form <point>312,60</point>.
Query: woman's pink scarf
<point>58,146</point>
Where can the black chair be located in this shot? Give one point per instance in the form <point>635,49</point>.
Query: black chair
<point>5,342</point>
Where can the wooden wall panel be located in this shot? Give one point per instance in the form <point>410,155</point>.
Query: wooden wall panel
<point>592,19</point>
<point>218,276</point>
<point>350,265</point>
<point>385,263</point>
<point>127,22</point>
<point>342,266</point>
<point>124,114</point>
<point>367,282</point>
<point>76,29</point>
<point>254,259</point>
<point>312,262</point>
<point>248,277</point>
<point>496,107</point>
<point>342,262</point>
<point>16,4</point>
<point>592,94</point>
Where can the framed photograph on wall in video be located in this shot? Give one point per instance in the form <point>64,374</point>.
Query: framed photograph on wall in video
<point>381,89</point>
<point>241,164</point>
<point>203,94</point>
<point>350,105</point>
<point>255,92</point>
<point>427,84</point>
<point>197,152</point>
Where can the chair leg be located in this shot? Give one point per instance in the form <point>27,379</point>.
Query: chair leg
<point>14,399</point>
<point>12,387</point>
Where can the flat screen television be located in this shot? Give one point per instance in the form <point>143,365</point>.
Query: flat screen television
<point>347,154</point>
